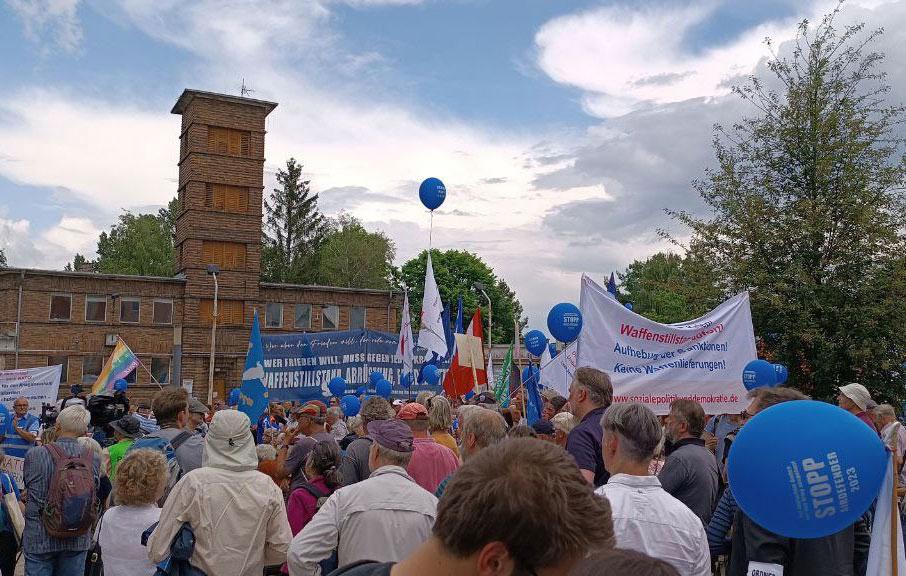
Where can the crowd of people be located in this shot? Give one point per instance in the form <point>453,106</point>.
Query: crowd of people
<point>431,486</point>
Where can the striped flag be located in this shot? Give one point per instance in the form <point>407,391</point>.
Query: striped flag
<point>120,364</point>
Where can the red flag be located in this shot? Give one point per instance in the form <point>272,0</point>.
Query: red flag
<point>458,379</point>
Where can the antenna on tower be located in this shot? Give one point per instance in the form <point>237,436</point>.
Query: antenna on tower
<point>245,90</point>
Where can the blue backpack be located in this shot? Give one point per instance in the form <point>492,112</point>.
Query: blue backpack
<point>168,449</point>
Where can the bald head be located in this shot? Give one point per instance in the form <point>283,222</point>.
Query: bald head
<point>481,428</point>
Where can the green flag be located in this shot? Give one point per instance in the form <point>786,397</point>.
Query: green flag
<point>502,388</point>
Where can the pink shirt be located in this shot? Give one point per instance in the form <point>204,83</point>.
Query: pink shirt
<point>431,463</point>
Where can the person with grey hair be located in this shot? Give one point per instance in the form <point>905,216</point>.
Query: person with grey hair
<point>43,553</point>
<point>893,434</point>
<point>590,393</point>
<point>355,460</point>
<point>645,517</point>
<point>383,518</point>
<point>335,424</point>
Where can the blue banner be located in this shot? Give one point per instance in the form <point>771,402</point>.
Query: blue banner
<point>299,366</point>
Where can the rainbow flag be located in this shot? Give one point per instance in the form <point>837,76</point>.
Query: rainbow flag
<point>119,365</point>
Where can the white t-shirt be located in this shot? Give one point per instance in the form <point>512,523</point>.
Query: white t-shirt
<point>121,540</point>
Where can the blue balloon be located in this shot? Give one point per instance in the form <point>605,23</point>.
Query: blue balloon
<point>120,385</point>
<point>337,385</point>
<point>758,373</point>
<point>535,342</point>
<point>564,322</point>
<point>406,380</point>
<point>553,349</point>
<point>350,405</point>
<point>782,374</point>
<point>806,469</point>
<point>234,397</point>
<point>375,377</point>
<point>432,193</point>
<point>628,306</point>
<point>432,374</point>
<point>384,389</point>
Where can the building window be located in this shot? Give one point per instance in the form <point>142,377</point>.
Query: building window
<point>227,141</point>
<point>227,255</point>
<point>95,309</point>
<point>160,369</point>
<point>303,317</point>
<point>91,368</point>
<point>63,361</point>
<point>273,315</point>
<point>61,307</point>
<point>229,312</point>
<point>330,317</point>
<point>357,318</point>
<point>162,312</point>
<point>129,310</point>
<point>227,198</point>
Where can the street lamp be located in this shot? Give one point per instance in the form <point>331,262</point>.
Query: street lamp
<point>213,270</point>
<point>481,288</point>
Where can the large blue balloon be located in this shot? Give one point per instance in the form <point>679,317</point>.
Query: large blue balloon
<point>337,385</point>
<point>431,374</point>
<point>384,389</point>
<point>406,380</point>
<point>375,377</point>
<point>350,405</point>
<point>564,322</point>
<point>535,342</point>
<point>234,397</point>
<point>806,469</point>
<point>782,374</point>
<point>432,193</point>
<point>758,373</point>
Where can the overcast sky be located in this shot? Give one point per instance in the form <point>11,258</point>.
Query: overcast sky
<point>561,128</point>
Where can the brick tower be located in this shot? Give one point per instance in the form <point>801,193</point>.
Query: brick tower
<point>221,180</point>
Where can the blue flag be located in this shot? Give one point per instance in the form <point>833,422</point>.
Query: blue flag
<point>612,286</point>
<point>253,393</point>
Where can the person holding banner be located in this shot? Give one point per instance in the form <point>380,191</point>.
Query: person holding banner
<point>590,394</point>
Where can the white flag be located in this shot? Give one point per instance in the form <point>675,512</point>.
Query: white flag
<point>880,560</point>
<point>404,350</point>
<point>431,332</point>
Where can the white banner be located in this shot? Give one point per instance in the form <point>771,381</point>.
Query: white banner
<point>37,384</point>
<point>557,373</point>
<point>655,363</point>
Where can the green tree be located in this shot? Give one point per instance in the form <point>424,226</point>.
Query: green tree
<point>667,287</point>
<point>294,229</point>
<point>456,272</point>
<point>140,244</point>
<point>353,257</point>
<point>808,213</point>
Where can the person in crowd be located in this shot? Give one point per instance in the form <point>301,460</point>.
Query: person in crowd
<point>522,431</point>
<point>21,430</point>
<point>171,408</point>
<point>382,518</point>
<point>544,430</point>
<point>43,553</point>
<point>716,431</point>
<point>590,393</point>
<point>563,422</point>
<point>146,421</point>
<point>623,563</point>
<point>894,435</point>
<point>75,397</point>
<point>422,398</point>
<point>9,546</point>
<point>645,517</point>
<point>125,431</point>
<point>440,422</point>
<point>236,512</point>
<point>832,554</point>
<point>690,472</point>
<point>322,469</point>
<point>480,428</point>
<point>355,466</point>
<point>312,418</point>
<point>139,484</point>
<point>855,398</point>
<point>335,423</point>
<point>431,462</point>
<point>475,534</point>
<point>197,413</point>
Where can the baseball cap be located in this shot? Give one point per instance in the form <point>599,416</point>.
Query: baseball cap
<point>392,434</point>
<point>413,411</point>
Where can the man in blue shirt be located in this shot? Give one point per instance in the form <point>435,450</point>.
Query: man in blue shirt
<point>22,430</point>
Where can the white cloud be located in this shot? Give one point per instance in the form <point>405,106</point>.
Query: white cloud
<point>59,18</point>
